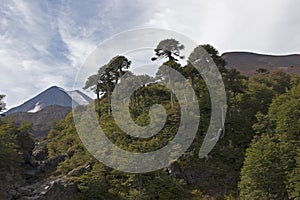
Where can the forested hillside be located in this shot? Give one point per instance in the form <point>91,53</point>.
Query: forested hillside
<point>257,156</point>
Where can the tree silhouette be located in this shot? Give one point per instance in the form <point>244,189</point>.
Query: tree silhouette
<point>107,77</point>
<point>214,54</point>
<point>118,64</point>
<point>170,49</point>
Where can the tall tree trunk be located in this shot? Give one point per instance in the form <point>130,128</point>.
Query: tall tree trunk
<point>172,94</point>
<point>143,96</point>
<point>108,90</point>
<point>98,102</point>
<point>171,89</point>
<point>193,81</point>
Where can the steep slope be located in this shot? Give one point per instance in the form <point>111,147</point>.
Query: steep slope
<point>41,120</point>
<point>247,62</point>
<point>52,96</point>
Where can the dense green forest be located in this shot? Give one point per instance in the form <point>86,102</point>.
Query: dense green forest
<point>257,157</point>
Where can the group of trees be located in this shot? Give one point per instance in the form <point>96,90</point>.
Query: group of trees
<point>16,143</point>
<point>108,75</point>
<point>231,150</point>
<point>271,168</point>
<point>258,157</point>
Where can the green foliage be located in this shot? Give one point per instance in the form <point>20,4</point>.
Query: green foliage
<point>9,147</point>
<point>15,143</point>
<point>294,179</point>
<point>270,170</point>
<point>196,194</point>
<point>263,175</point>
<point>257,154</point>
<point>101,182</point>
<point>63,140</point>
<point>162,186</point>
<point>214,54</point>
<point>108,75</point>
<point>61,137</point>
<point>106,78</point>
<point>285,113</point>
<point>154,185</point>
<point>170,49</point>
<point>94,184</point>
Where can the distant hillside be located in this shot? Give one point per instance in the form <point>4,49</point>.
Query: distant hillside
<point>42,120</point>
<point>52,96</point>
<point>247,63</point>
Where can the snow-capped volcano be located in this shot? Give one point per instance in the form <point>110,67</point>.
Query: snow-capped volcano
<point>52,96</point>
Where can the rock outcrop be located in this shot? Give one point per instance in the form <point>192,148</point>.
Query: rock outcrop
<point>36,166</point>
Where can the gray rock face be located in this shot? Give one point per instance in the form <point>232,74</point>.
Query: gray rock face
<point>55,187</point>
<point>49,189</point>
<point>50,165</point>
<point>40,152</point>
<point>80,170</point>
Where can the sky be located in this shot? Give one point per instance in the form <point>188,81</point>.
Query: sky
<point>44,43</point>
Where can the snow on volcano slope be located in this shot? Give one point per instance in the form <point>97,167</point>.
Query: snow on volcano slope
<point>52,96</point>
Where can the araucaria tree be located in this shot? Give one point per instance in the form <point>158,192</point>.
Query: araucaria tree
<point>107,77</point>
<point>170,49</point>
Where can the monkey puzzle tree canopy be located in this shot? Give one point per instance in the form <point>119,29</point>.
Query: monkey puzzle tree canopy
<point>170,49</point>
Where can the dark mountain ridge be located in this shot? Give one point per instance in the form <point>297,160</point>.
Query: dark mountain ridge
<point>41,120</point>
<point>247,63</point>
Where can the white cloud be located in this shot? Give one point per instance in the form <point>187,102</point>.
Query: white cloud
<point>25,38</point>
<point>261,26</point>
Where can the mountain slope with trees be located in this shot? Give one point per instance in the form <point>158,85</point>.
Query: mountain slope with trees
<point>257,157</point>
